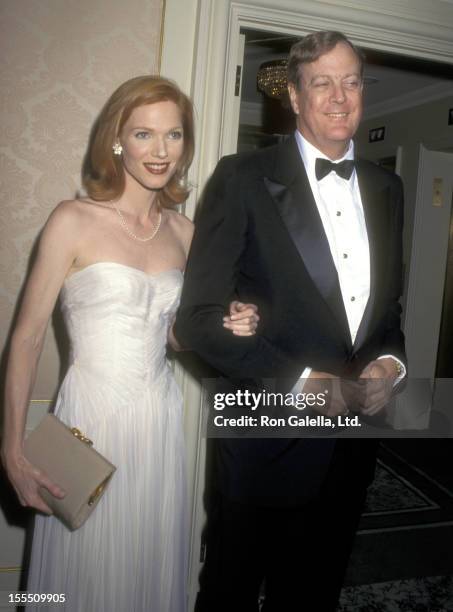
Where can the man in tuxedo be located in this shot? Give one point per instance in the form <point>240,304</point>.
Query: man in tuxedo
<point>313,237</point>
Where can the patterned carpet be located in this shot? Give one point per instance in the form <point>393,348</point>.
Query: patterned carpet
<point>432,594</point>
<point>403,553</point>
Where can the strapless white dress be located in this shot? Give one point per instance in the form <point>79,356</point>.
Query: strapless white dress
<point>131,554</point>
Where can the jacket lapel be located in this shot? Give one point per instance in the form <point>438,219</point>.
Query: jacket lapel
<point>375,200</point>
<point>290,189</point>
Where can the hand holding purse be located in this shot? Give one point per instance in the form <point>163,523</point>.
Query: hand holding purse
<point>69,459</point>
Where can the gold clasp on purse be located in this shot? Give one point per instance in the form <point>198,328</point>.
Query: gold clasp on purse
<point>79,435</point>
<point>98,492</point>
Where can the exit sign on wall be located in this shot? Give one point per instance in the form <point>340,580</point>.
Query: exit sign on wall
<point>376,134</point>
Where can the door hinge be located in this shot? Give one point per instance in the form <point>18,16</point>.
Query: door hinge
<point>237,86</point>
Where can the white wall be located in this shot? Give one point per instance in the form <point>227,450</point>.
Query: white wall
<point>426,123</point>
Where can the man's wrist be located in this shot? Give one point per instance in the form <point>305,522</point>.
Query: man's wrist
<point>398,367</point>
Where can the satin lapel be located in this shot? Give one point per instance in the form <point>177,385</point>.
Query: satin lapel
<point>295,202</point>
<point>375,201</point>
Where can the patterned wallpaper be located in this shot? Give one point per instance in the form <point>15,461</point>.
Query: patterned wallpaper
<point>61,59</point>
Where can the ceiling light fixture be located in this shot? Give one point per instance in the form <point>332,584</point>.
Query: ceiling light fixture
<point>271,78</point>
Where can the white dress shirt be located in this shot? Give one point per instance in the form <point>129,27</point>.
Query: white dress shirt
<point>340,207</point>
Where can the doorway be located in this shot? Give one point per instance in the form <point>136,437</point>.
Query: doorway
<point>444,365</point>
<point>392,83</point>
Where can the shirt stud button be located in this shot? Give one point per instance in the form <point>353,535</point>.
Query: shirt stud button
<point>353,299</point>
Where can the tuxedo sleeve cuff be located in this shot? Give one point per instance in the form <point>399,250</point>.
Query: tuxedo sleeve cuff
<point>299,386</point>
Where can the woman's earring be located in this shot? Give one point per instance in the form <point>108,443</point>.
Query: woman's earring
<point>117,148</point>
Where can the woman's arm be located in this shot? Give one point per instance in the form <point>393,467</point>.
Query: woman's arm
<point>56,253</point>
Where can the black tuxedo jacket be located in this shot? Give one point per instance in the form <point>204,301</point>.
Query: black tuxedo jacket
<point>259,238</point>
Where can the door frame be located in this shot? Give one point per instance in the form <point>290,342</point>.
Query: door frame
<point>423,316</point>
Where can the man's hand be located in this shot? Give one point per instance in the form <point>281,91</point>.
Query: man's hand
<point>342,395</point>
<point>377,379</point>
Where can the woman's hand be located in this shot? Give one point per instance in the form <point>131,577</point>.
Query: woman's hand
<point>243,319</point>
<point>27,479</point>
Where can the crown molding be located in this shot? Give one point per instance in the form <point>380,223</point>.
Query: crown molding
<point>438,91</point>
<point>409,27</point>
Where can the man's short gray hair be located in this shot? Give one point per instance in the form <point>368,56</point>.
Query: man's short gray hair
<point>311,47</point>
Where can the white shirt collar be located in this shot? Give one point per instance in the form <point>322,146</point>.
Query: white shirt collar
<point>309,153</point>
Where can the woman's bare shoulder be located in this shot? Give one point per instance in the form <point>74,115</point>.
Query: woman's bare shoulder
<point>70,220</point>
<point>182,227</point>
<point>65,213</point>
<point>78,210</point>
<point>180,222</point>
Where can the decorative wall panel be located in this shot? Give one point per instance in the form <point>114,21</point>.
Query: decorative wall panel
<point>60,62</point>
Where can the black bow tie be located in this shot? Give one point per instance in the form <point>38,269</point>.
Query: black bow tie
<point>343,169</point>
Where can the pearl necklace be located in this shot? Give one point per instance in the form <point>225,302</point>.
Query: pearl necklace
<point>128,230</point>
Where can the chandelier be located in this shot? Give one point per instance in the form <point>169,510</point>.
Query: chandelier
<point>271,78</point>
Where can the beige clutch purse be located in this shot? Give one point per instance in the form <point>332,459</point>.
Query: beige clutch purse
<point>68,458</point>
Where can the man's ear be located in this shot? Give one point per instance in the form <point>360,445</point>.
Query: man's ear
<point>293,98</point>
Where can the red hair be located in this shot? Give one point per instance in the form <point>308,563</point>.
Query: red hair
<point>103,175</point>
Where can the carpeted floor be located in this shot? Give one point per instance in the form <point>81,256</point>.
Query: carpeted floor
<point>403,553</point>
<point>431,594</point>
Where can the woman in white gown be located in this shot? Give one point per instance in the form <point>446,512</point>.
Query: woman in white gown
<point>116,258</point>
